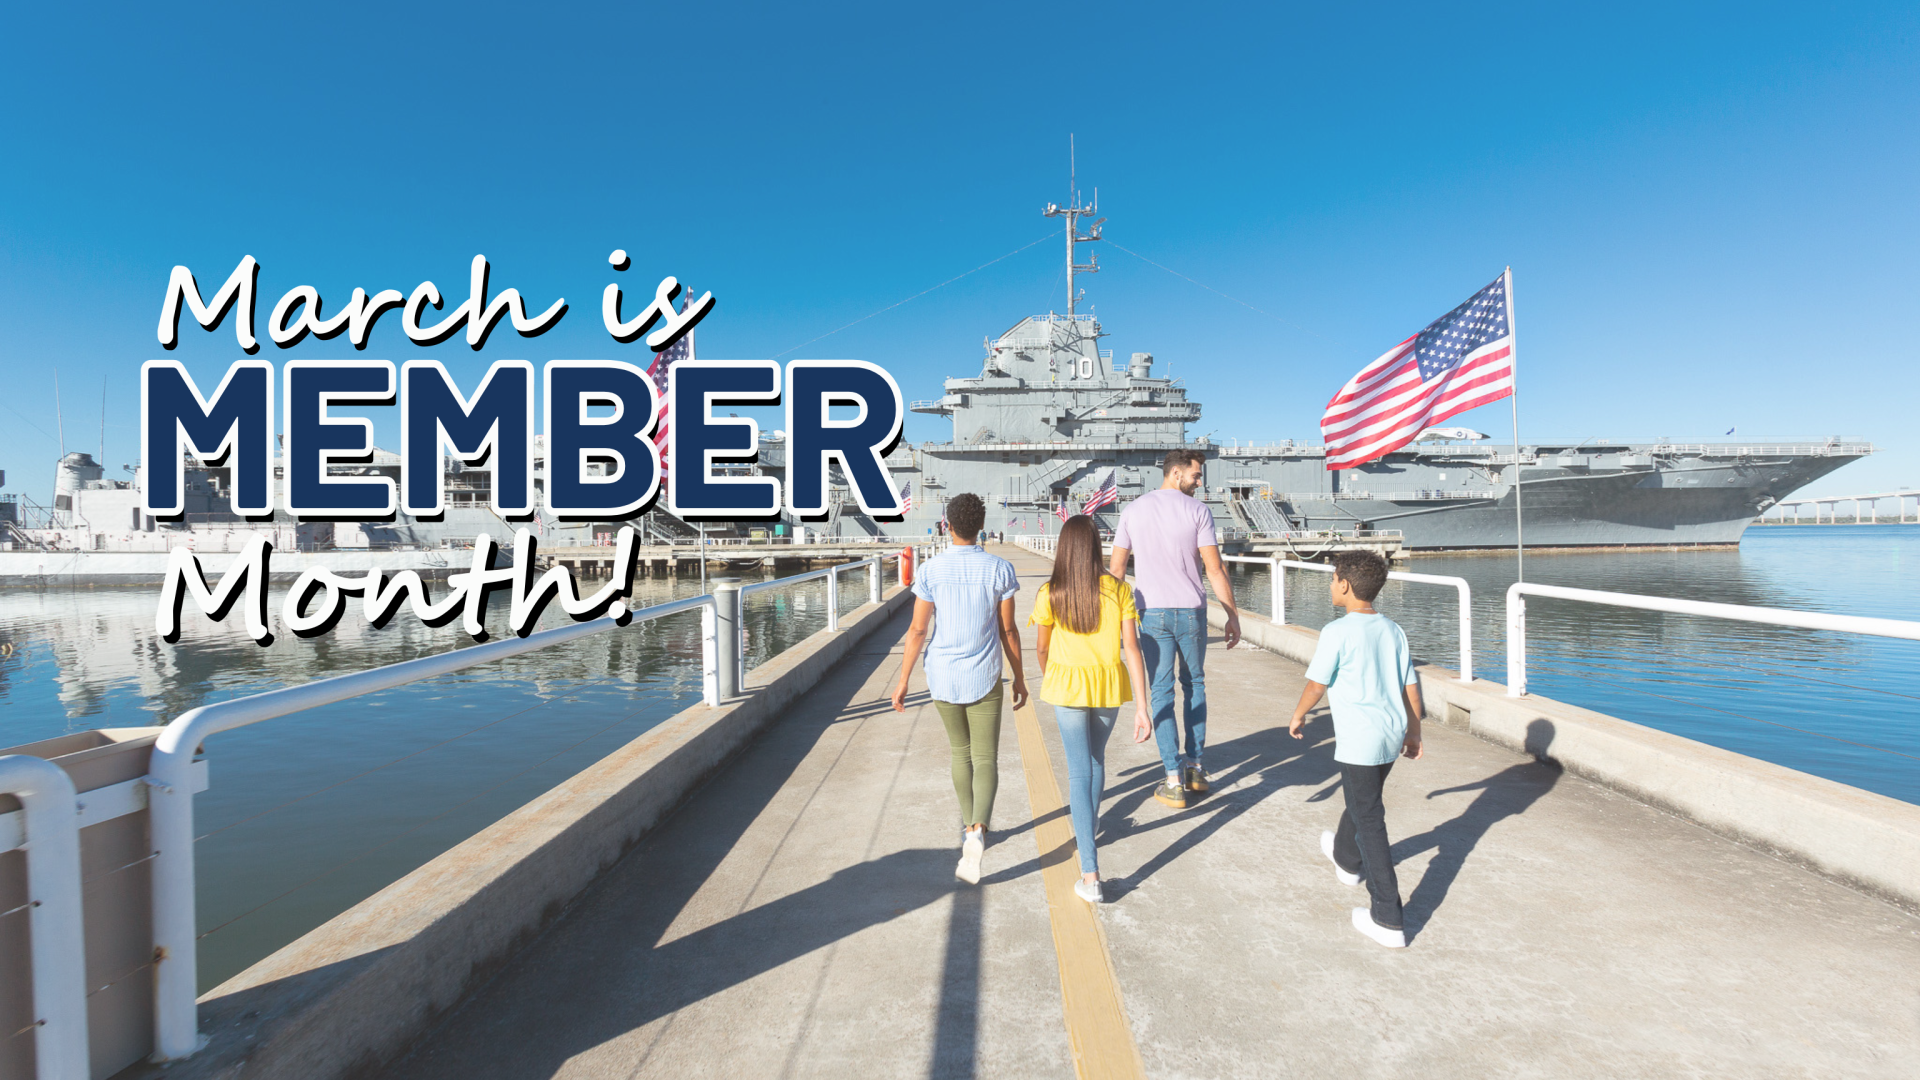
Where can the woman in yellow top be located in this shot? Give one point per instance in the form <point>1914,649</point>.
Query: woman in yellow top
<point>1088,647</point>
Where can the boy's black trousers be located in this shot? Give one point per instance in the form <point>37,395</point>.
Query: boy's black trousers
<point>1360,843</point>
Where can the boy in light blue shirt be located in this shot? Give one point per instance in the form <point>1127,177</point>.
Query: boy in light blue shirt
<point>1363,666</point>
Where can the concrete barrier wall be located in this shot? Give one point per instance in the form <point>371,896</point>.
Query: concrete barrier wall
<point>1869,841</point>
<point>358,991</point>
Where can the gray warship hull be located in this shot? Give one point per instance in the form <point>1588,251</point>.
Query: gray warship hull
<point>1438,498</point>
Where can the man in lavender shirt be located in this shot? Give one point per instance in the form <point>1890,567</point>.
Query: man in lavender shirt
<point>1169,534</point>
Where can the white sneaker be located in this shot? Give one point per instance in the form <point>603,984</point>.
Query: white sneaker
<point>1326,848</point>
<point>1363,922</point>
<point>971,849</point>
<point>1089,891</point>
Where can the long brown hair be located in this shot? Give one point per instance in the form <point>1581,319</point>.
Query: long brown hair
<point>1073,593</point>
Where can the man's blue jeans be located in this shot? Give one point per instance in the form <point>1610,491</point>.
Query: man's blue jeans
<point>1174,641</point>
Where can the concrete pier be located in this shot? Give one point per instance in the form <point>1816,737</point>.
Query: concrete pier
<point>797,916</point>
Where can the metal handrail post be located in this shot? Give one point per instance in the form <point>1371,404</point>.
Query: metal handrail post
<point>740,641</point>
<point>873,581</point>
<point>1280,566</point>
<point>1279,592</point>
<point>57,940</point>
<point>726,636</point>
<point>833,598</point>
<point>1516,642</point>
<point>710,656</point>
<point>1466,615</point>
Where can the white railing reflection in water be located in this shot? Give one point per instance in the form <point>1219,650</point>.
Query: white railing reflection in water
<point>1805,620</point>
<point>176,970</point>
<point>1279,567</point>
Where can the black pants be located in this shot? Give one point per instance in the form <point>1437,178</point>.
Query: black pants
<point>1360,843</point>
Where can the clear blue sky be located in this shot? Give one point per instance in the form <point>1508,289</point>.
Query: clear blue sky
<point>1710,209</point>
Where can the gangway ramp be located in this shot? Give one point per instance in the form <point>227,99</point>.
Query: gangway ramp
<point>1263,516</point>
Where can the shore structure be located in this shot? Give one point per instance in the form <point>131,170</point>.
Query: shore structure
<point>764,887</point>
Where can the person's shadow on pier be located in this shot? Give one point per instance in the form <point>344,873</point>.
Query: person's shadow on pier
<point>1507,793</point>
<point>614,965</point>
<point>1270,754</point>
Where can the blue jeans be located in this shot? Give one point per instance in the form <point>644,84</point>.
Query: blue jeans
<point>1170,639</point>
<point>1083,732</point>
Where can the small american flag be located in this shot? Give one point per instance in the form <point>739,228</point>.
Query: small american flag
<point>1462,360</point>
<point>906,496</point>
<point>1108,492</point>
<point>657,371</point>
<point>1060,512</point>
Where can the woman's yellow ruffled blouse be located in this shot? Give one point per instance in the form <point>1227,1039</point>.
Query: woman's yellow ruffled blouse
<point>1088,671</point>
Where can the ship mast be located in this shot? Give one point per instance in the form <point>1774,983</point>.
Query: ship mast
<point>1073,212</point>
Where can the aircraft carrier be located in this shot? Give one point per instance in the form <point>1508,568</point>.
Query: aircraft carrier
<point>1051,418</point>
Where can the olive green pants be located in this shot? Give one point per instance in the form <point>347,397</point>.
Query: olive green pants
<point>973,732</point>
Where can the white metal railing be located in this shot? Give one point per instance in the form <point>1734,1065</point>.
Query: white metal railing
<point>1271,450</point>
<point>1506,453</point>
<point>1329,534</point>
<point>1786,449</point>
<point>1772,616</point>
<point>1427,495</point>
<point>171,769</point>
<point>831,575</point>
<point>1044,545</point>
<point>56,939</point>
<point>1279,567</point>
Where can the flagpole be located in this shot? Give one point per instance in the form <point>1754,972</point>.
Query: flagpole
<point>1513,399</point>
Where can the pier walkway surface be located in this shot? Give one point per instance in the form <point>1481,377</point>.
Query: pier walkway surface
<point>799,917</point>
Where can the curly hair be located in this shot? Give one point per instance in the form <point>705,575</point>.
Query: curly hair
<point>1365,572</point>
<point>966,515</point>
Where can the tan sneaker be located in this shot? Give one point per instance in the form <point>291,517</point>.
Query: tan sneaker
<point>1195,778</point>
<point>1172,794</point>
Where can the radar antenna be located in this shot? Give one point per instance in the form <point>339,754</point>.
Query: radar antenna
<point>1073,212</point>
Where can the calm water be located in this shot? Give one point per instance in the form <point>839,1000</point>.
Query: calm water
<point>311,813</point>
<point>1836,705</point>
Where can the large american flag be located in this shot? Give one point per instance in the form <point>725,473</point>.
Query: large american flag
<point>1461,360</point>
<point>657,371</point>
<point>1108,491</point>
<point>906,496</point>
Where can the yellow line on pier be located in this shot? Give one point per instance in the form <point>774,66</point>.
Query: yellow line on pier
<point>1097,1027</point>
